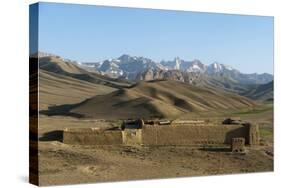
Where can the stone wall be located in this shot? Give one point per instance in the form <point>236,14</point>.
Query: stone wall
<point>88,136</point>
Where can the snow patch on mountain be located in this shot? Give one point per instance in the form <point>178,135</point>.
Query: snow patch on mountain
<point>131,67</point>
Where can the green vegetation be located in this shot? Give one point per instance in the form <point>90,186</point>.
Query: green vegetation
<point>259,109</point>
<point>266,131</point>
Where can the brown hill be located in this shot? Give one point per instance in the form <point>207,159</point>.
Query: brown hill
<point>164,98</point>
<point>262,92</point>
<point>56,89</point>
<point>196,79</point>
<point>59,66</point>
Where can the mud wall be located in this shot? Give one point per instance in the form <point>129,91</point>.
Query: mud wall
<point>132,136</point>
<point>254,134</point>
<point>196,135</point>
<point>164,135</point>
<point>92,137</point>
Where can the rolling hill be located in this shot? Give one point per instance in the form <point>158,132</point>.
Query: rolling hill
<point>214,76</point>
<point>222,82</point>
<point>56,89</point>
<point>263,92</point>
<point>163,99</point>
<point>59,66</point>
<point>217,82</point>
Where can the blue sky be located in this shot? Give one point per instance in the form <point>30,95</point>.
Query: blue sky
<point>93,33</point>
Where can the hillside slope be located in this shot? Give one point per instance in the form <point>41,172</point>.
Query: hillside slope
<point>216,82</point>
<point>261,92</point>
<point>196,79</point>
<point>56,89</point>
<point>58,66</point>
<point>165,99</point>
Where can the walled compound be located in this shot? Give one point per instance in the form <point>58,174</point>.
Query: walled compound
<point>165,132</point>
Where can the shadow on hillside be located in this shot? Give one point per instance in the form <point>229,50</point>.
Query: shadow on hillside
<point>56,135</point>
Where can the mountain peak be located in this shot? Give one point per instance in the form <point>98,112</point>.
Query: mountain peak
<point>178,62</point>
<point>217,67</point>
<point>134,66</point>
<point>124,57</point>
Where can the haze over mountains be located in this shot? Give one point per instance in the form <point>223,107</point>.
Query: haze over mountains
<point>165,89</point>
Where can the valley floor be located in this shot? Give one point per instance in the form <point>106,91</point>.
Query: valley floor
<point>68,164</point>
<point>64,164</point>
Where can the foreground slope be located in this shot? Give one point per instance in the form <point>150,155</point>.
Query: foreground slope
<point>161,99</point>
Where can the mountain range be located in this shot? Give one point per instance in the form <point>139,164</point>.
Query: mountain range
<point>142,87</point>
<point>68,88</point>
<point>141,68</point>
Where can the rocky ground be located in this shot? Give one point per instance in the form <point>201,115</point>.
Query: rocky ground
<point>67,164</point>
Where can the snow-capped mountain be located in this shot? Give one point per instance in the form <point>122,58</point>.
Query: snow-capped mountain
<point>137,64</point>
<point>172,65</point>
<point>110,68</point>
<point>126,66</point>
<point>136,68</point>
<point>219,68</point>
<point>193,66</point>
<point>186,66</point>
